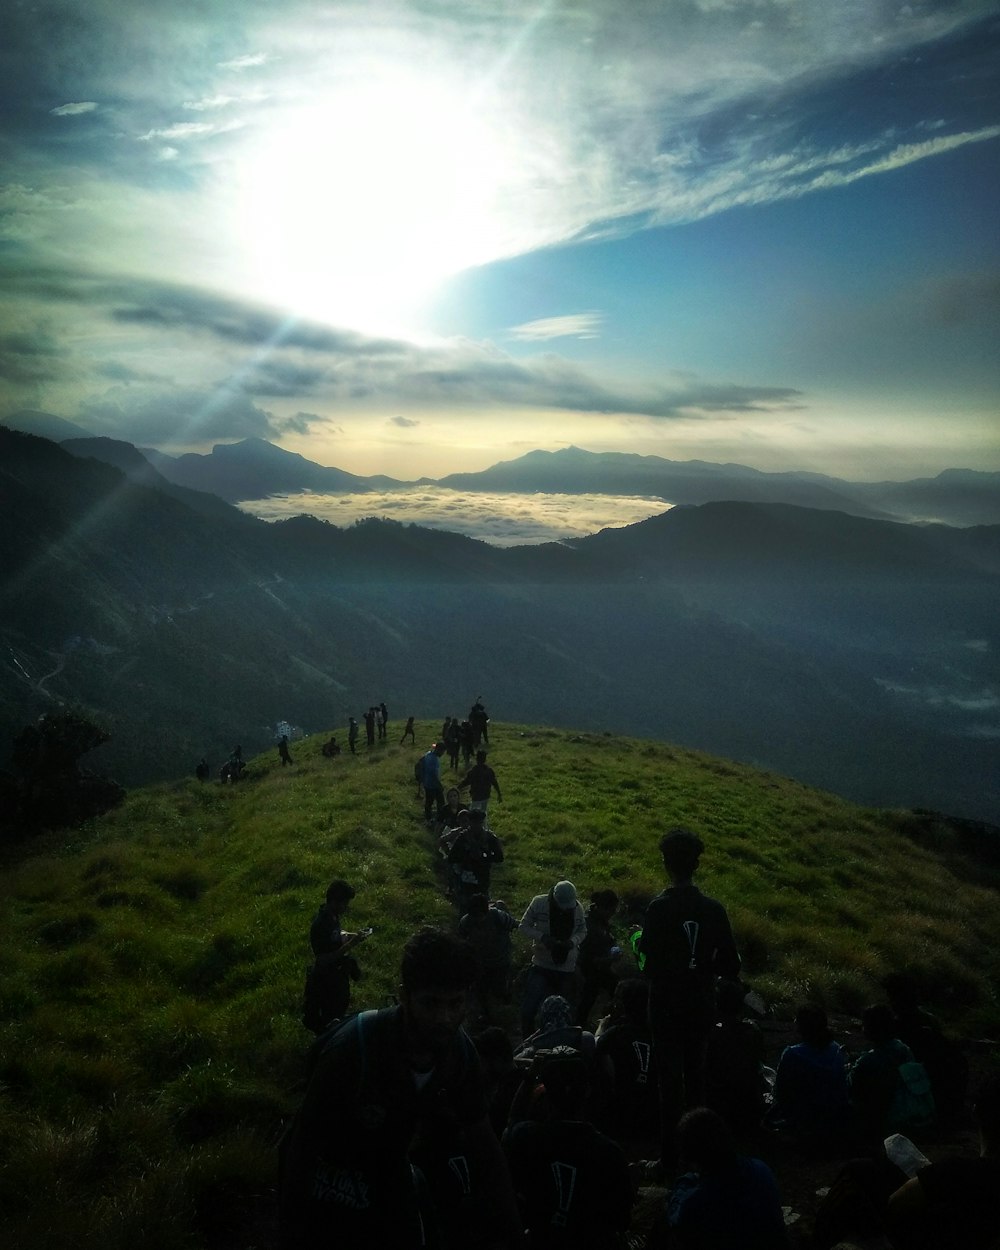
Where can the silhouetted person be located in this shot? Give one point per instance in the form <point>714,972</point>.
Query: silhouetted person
<point>488,930</point>
<point>386,1082</point>
<point>468,741</point>
<point>875,1076</point>
<point>408,732</point>
<point>283,753</point>
<point>920,1030</point>
<point>480,780</point>
<point>598,952</point>
<point>383,720</point>
<point>352,735</point>
<point>480,722</point>
<point>811,1098</point>
<point>472,855</point>
<point>686,943</point>
<point>723,1201</point>
<point>628,1106</point>
<point>735,1061</point>
<point>202,770</point>
<point>453,742</point>
<point>370,726</point>
<point>572,1180</point>
<point>330,749</point>
<point>328,983</point>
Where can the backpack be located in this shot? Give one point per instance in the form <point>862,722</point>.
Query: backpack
<point>912,1103</point>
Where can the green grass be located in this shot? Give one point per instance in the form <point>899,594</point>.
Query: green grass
<point>152,966</point>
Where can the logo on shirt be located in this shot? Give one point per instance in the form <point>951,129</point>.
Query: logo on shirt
<point>564,1175</point>
<point>691,933</point>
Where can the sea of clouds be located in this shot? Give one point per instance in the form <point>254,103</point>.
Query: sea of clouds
<point>505,520</point>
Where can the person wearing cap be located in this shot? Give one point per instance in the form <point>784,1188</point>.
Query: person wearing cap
<point>687,942</point>
<point>556,924</point>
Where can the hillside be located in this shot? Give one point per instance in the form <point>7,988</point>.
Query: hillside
<point>150,1047</point>
<point>859,655</point>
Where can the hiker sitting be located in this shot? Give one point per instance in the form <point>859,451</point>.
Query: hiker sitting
<point>723,1201</point>
<point>734,1072</point>
<point>811,1098</point>
<point>879,1090</point>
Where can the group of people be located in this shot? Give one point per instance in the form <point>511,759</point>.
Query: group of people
<point>413,1133</point>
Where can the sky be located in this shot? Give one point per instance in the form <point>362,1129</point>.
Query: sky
<point>422,237</point>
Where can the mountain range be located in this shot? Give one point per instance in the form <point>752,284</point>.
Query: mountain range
<point>254,468</point>
<point>851,653</point>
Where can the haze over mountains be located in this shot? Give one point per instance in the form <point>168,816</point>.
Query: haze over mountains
<point>254,468</point>
<point>853,653</point>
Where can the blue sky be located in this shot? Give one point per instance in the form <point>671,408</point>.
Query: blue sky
<point>412,238</point>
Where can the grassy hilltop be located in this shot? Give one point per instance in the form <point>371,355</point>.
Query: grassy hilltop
<point>152,966</point>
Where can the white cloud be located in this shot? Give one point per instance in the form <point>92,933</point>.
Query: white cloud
<point>74,110</point>
<point>573,325</point>
<point>504,520</point>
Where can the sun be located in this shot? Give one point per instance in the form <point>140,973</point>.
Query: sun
<point>356,208</point>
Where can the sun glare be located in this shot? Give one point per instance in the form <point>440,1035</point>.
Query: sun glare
<point>355,209</point>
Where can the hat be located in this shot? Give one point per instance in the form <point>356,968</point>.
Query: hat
<point>564,894</point>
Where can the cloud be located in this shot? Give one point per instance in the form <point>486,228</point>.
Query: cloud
<point>290,357</point>
<point>404,423</point>
<point>176,415</point>
<point>250,61</point>
<point>501,519</point>
<point>74,110</point>
<point>574,325</point>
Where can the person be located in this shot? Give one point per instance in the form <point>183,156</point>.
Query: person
<point>472,855</point>
<point>383,720</point>
<point>556,925</point>
<point>453,742</point>
<point>686,942</point>
<point>487,928</point>
<point>480,780</point>
<point>556,1028</point>
<point>283,753</point>
<point>917,1204</point>
<point>331,749</point>
<point>352,735</point>
<point>919,1029</point>
<point>370,727</point>
<point>328,982</point>
<point>234,768</point>
<point>468,740</point>
<point>954,1200</point>
<point>628,1106</point>
<point>430,777</point>
<point>502,1079</point>
<point>734,1062</point>
<point>723,1201</point>
<point>876,1078</point>
<point>386,1084</point>
<point>811,1099</point>
<point>202,771</point>
<point>572,1180</point>
<point>480,722</point>
<point>450,815</point>
<point>408,732</point>
<point>598,952</point>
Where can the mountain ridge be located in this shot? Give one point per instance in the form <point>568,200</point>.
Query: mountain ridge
<point>764,633</point>
<point>255,469</point>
